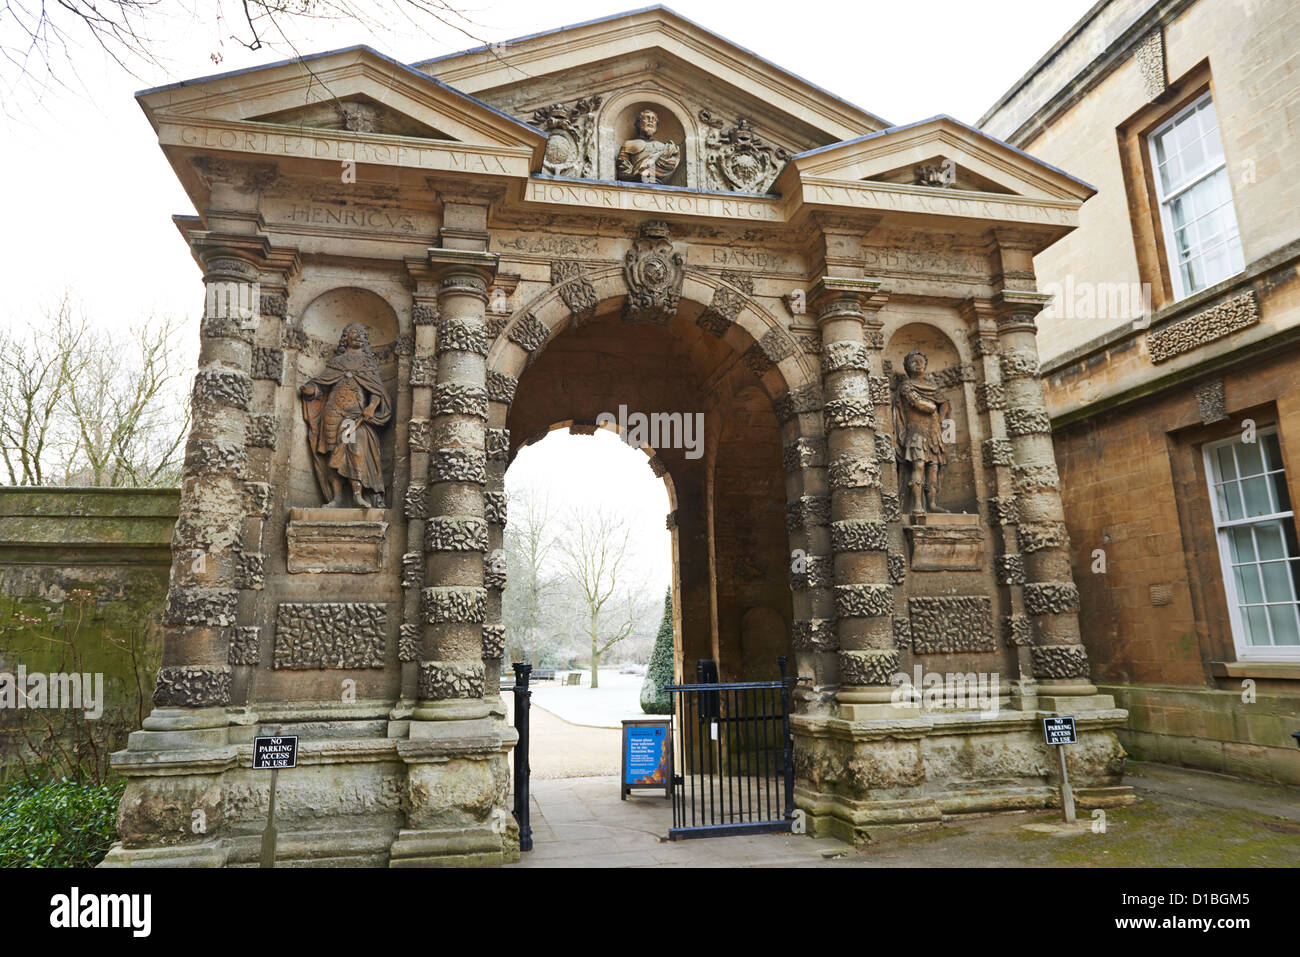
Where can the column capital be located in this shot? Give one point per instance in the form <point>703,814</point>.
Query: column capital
<point>462,270</point>
<point>844,297</point>
<point>1014,309</point>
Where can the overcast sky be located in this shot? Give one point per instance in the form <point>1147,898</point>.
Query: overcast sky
<point>89,197</point>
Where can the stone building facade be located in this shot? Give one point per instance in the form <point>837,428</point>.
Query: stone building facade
<point>1172,369</point>
<point>412,271</point>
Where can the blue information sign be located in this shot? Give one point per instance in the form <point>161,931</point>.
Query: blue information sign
<point>647,755</point>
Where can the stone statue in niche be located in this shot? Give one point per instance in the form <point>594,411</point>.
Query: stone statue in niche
<point>920,409</point>
<point>644,158</point>
<point>344,407</point>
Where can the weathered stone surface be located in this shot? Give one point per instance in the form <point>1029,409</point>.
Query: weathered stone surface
<point>351,540</point>
<point>408,642</point>
<point>420,435</point>
<point>1018,630</point>
<point>268,364</point>
<point>1036,536</point>
<point>864,601</point>
<point>1059,661</point>
<point>1051,598</point>
<point>454,604</point>
<point>796,402</point>
<point>494,507</point>
<point>458,465</point>
<point>951,624</point>
<point>998,452</point>
<point>813,634</point>
<point>494,642</point>
<point>189,686</point>
<point>332,634</point>
<point>222,387</point>
<point>854,471</point>
<point>497,443</point>
<point>415,504</point>
<point>850,413</point>
<point>448,680</point>
<point>838,356</point>
<point>412,570</point>
<point>864,668</point>
<point>262,430</point>
<point>501,387</point>
<point>576,291</point>
<point>211,457</point>
<point>1030,478</point>
<point>452,399</point>
<point>448,533</point>
<point>528,333</point>
<point>1010,569</point>
<point>856,535</point>
<point>897,569</point>
<point>1019,364</point>
<point>808,510</point>
<point>1028,422</point>
<point>804,453</point>
<point>1003,510</point>
<point>245,646</point>
<point>460,335</point>
<point>201,607</point>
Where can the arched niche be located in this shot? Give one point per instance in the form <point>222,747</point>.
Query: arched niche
<point>957,489</point>
<point>323,322</point>
<point>616,124</point>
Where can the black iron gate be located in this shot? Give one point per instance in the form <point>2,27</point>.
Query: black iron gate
<point>735,764</point>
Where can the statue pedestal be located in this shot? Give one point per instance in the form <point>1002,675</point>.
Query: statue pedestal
<point>353,540</point>
<point>944,542</point>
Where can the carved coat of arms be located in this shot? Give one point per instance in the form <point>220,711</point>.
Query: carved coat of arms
<point>571,139</point>
<point>738,159</point>
<point>654,274</point>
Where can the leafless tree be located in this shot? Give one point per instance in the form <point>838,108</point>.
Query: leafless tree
<point>42,41</point>
<point>80,407</point>
<point>594,552</point>
<point>37,363</point>
<point>529,544</point>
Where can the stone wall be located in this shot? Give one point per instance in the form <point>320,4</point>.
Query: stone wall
<point>1156,621</point>
<point>83,575</point>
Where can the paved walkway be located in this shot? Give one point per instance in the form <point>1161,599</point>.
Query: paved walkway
<point>1183,818</point>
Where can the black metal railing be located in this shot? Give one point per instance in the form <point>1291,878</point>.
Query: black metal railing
<point>736,759</point>
<point>523,701</point>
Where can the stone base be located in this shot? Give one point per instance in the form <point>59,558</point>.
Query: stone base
<point>355,798</point>
<point>860,778</point>
<point>944,542</point>
<point>352,540</point>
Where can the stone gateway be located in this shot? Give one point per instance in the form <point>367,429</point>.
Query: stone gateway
<point>450,259</point>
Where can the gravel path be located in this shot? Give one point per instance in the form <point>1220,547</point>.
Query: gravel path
<point>563,750</point>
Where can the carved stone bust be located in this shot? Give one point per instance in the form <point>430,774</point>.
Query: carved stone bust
<point>644,158</point>
<point>344,408</point>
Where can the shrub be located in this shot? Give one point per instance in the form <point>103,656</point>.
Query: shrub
<point>58,824</point>
<point>654,699</point>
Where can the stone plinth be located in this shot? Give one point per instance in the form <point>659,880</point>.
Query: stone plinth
<point>337,540</point>
<point>942,542</point>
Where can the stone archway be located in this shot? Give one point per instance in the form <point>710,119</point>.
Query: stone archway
<point>568,356</point>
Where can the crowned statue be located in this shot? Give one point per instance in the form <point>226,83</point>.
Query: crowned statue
<point>344,407</point>
<point>920,409</point>
<point>644,158</point>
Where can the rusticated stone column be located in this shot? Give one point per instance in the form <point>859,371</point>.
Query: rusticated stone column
<point>863,595</point>
<point>1051,599</point>
<point>808,521</point>
<point>451,682</point>
<point>195,677</point>
<point>1003,509</point>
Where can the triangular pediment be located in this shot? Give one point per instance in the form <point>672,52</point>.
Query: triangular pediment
<point>352,90</point>
<point>939,153</point>
<point>654,48</point>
